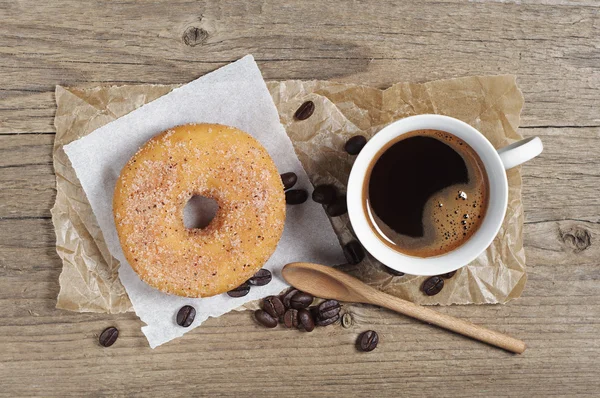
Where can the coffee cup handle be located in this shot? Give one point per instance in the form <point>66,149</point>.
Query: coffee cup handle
<point>520,152</point>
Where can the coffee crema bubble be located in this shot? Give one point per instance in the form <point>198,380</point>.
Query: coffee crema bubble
<point>426,193</point>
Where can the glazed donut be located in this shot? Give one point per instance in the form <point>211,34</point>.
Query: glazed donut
<point>214,161</point>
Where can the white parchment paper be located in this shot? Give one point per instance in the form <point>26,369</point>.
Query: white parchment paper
<point>235,95</point>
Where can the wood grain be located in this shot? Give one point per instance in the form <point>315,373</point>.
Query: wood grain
<point>551,45</point>
<point>551,48</point>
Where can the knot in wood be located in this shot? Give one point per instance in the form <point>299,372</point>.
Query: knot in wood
<point>577,238</point>
<point>346,320</point>
<point>194,36</point>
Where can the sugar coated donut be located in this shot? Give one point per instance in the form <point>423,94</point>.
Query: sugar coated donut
<point>214,161</point>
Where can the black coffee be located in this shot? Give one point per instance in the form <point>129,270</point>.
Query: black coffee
<point>427,193</point>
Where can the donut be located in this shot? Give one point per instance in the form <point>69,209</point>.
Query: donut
<point>210,160</point>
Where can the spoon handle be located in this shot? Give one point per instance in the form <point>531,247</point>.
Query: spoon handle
<point>449,322</point>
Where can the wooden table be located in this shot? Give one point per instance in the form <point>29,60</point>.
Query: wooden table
<point>552,45</point>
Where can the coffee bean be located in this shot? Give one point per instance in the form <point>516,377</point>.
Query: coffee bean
<point>328,309</point>
<point>338,207</point>
<point>346,320</point>
<point>305,319</point>
<point>393,271</point>
<point>265,319</point>
<point>355,144</point>
<point>296,196</point>
<point>354,252</point>
<point>324,194</point>
<point>305,111</point>
<point>289,180</point>
<point>290,318</point>
<point>108,336</point>
<point>240,291</point>
<point>301,300</point>
<point>287,296</point>
<point>367,341</point>
<point>261,278</point>
<point>329,313</point>
<point>432,286</point>
<point>314,311</point>
<point>327,321</point>
<point>186,315</point>
<point>273,306</point>
<point>448,275</point>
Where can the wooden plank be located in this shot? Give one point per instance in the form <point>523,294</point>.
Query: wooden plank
<point>27,181</point>
<point>561,184</point>
<point>562,252</point>
<point>28,190</point>
<point>21,150</point>
<point>26,111</point>
<point>552,49</point>
<point>556,317</point>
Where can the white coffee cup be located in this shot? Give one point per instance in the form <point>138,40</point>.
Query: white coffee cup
<point>495,162</point>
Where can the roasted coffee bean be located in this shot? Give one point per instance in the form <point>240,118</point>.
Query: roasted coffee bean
<point>261,278</point>
<point>328,309</point>
<point>432,286</point>
<point>290,318</point>
<point>355,144</point>
<point>305,111</point>
<point>305,319</point>
<point>338,207</point>
<point>354,252</point>
<point>346,320</point>
<point>296,196</point>
<point>186,315</point>
<point>324,194</point>
<point>265,319</point>
<point>327,321</point>
<point>314,311</point>
<point>287,296</point>
<point>273,306</point>
<point>367,341</point>
<point>289,180</point>
<point>240,291</point>
<point>301,300</point>
<point>448,275</point>
<point>108,336</point>
<point>393,271</point>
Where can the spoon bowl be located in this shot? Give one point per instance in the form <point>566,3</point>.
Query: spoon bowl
<point>324,282</point>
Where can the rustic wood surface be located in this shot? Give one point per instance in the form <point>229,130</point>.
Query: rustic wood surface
<point>552,45</point>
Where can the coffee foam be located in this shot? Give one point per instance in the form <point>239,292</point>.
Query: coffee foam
<point>450,216</point>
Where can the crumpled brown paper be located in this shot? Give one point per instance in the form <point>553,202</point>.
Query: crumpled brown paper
<point>491,104</point>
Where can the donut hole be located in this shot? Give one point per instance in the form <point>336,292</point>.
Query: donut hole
<point>199,211</point>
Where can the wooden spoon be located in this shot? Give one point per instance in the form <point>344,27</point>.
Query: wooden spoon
<point>329,283</point>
